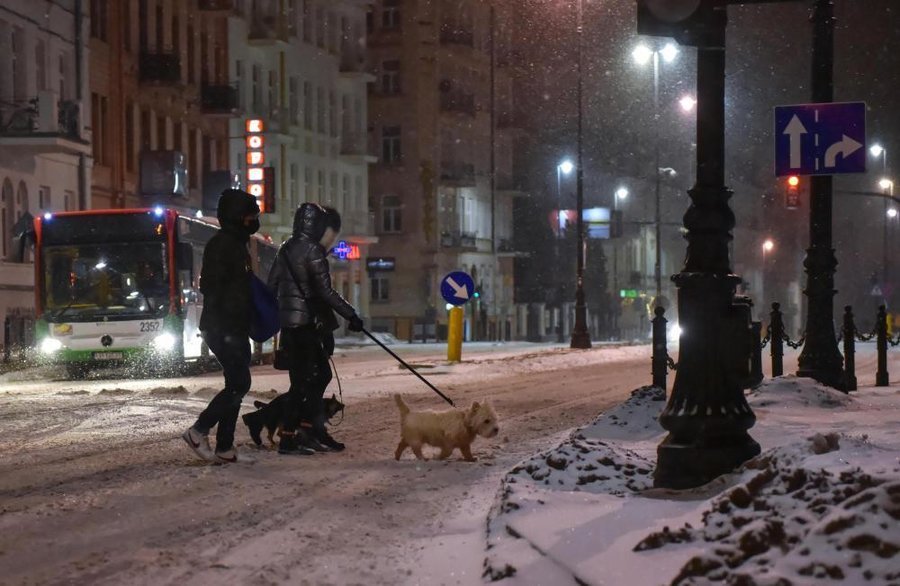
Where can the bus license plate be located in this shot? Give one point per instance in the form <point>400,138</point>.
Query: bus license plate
<point>108,356</point>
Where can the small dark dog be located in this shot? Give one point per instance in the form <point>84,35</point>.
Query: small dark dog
<point>272,415</point>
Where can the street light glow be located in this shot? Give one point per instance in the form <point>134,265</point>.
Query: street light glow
<point>642,54</point>
<point>768,245</point>
<point>566,167</point>
<point>621,193</point>
<point>876,150</point>
<point>892,213</point>
<point>885,183</point>
<point>669,52</point>
<point>687,103</point>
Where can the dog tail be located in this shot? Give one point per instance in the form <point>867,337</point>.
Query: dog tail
<point>404,409</point>
<point>259,404</point>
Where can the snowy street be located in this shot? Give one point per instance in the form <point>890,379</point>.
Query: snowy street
<point>97,487</point>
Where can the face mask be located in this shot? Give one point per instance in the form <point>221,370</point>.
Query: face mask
<point>253,228</point>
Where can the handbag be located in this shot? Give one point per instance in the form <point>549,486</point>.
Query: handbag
<point>264,323</point>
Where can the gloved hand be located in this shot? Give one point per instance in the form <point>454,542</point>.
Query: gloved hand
<point>356,324</point>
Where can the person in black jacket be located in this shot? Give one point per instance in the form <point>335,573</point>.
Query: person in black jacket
<point>225,321</point>
<point>307,302</point>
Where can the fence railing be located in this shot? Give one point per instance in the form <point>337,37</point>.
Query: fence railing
<point>776,338</point>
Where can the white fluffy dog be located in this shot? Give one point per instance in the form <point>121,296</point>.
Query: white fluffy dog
<point>446,430</point>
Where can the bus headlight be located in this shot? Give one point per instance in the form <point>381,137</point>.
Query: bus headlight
<point>164,342</point>
<point>50,346</point>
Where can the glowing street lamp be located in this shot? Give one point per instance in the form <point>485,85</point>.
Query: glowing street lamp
<point>892,213</point>
<point>687,103</point>
<point>876,150</point>
<point>886,185</point>
<point>768,246</point>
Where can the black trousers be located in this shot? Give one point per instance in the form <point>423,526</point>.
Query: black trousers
<point>310,373</point>
<point>233,353</point>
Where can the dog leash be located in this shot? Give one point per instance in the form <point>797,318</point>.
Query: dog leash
<point>408,367</point>
<point>340,392</point>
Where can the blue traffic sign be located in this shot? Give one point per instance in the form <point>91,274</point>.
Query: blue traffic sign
<point>457,288</point>
<point>820,139</point>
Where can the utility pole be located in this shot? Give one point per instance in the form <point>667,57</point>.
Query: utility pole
<point>821,359</point>
<point>581,338</point>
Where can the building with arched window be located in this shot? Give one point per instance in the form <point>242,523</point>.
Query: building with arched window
<point>45,148</point>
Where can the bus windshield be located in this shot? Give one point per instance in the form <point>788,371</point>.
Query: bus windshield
<point>124,280</point>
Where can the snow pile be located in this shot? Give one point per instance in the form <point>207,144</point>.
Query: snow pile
<point>820,505</point>
<point>791,519</point>
<point>791,392</point>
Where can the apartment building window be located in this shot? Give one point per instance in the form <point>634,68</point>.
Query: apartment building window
<point>191,61</point>
<point>239,77</point>
<point>321,193</point>
<point>257,89</point>
<point>307,22</point>
<point>321,105</point>
<point>176,33</point>
<point>98,19</point>
<point>332,114</point>
<point>193,156</point>
<point>143,23</point>
<point>295,184</point>
<point>359,195</point>
<point>307,106</point>
<point>391,214</point>
<point>204,59</point>
<point>44,201</point>
<point>162,133</point>
<point>129,136</point>
<point>390,78</point>
<point>68,198</point>
<point>273,94</point>
<point>146,130</point>
<point>294,99</point>
<point>390,14</point>
<point>333,191</point>
<point>321,27</point>
<point>40,62</point>
<point>346,198</point>
<point>390,144</point>
<point>127,20</point>
<point>18,64</point>
<point>63,76</point>
<point>160,29</point>
<point>380,288</point>
<point>99,124</point>
<point>370,20</point>
<point>307,183</point>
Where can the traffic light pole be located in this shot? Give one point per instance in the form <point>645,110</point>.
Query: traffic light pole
<point>707,416</point>
<point>820,359</point>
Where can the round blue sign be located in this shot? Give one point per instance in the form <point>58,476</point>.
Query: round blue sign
<point>457,288</point>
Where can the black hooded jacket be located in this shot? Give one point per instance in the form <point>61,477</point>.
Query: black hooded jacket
<point>305,294</point>
<point>225,277</point>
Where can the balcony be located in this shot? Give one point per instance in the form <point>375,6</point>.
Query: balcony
<point>219,100</point>
<point>459,240</point>
<point>43,125</point>
<point>267,29</point>
<point>458,174</point>
<point>216,5</point>
<point>457,36</point>
<point>355,149</point>
<point>456,102</point>
<point>162,68</point>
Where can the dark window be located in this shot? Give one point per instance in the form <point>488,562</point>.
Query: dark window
<point>391,214</point>
<point>390,144</point>
<point>390,78</point>
<point>98,19</point>
<point>380,289</point>
<point>390,14</point>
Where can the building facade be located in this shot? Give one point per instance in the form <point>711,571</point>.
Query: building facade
<point>298,66</point>
<point>44,136</point>
<point>442,121</point>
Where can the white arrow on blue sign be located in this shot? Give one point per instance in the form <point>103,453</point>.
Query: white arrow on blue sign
<point>820,139</point>
<point>457,288</point>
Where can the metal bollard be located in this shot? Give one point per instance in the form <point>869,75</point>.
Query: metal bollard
<point>777,342</point>
<point>849,382</point>
<point>756,369</point>
<point>881,376</point>
<point>659,365</point>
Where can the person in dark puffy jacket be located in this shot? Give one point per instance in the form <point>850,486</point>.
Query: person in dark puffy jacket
<point>307,302</point>
<point>225,321</point>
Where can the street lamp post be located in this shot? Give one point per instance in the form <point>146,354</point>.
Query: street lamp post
<point>879,151</point>
<point>581,338</point>
<point>642,55</point>
<point>767,247</point>
<point>564,168</point>
<point>621,193</point>
<point>887,187</point>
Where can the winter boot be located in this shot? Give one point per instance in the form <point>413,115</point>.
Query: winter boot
<point>306,437</point>
<point>254,423</point>
<point>324,438</point>
<point>228,456</point>
<point>288,446</point>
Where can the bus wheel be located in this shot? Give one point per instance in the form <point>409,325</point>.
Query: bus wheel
<point>76,370</point>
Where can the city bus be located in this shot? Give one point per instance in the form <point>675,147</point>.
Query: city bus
<point>121,287</point>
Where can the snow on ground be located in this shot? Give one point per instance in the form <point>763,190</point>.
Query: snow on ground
<point>820,505</point>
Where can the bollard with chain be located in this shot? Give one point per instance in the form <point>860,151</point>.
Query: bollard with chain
<point>849,334</point>
<point>777,350</point>
<point>881,376</point>
<point>660,353</point>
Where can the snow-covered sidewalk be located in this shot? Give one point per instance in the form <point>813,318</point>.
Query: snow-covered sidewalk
<point>821,504</point>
